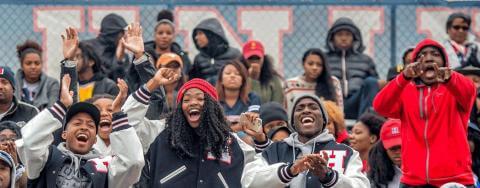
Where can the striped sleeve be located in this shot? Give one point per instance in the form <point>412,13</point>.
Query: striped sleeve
<point>58,111</point>
<point>120,122</point>
<point>142,95</point>
<point>284,173</point>
<point>259,146</point>
<point>333,179</point>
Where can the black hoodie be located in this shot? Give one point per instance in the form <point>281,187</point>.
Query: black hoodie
<point>106,45</point>
<point>212,57</point>
<point>358,66</point>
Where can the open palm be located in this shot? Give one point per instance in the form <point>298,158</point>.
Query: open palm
<point>133,40</point>
<point>70,43</point>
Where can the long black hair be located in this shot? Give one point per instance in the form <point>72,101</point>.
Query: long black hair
<point>267,72</point>
<point>324,87</point>
<point>88,54</point>
<point>382,169</point>
<point>212,133</point>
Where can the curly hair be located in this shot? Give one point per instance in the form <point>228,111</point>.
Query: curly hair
<point>89,54</point>
<point>381,166</point>
<point>335,115</point>
<point>29,46</point>
<point>212,133</point>
<point>324,84</point>
<point>373,122</point>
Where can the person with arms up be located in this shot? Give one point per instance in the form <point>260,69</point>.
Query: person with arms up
<point>433,104</point>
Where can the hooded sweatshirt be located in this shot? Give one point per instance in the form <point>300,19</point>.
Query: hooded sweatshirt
<point>6,158</point>
<point>217,52</point>
<point>350,66</point>
<point>271,168</point>
<point>106,44</point>
<point>434,125</point>
<point>45,94</point>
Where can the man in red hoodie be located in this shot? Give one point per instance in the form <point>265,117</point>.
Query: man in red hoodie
<point>433,104</point>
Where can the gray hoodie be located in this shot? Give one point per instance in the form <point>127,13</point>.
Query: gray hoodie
<point>70,174</point>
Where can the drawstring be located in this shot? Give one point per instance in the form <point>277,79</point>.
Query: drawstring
<point>344,74</point>
<point>311,152</point>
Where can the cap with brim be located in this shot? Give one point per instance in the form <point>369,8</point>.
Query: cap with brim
<point>85,107</point>
<point>390,134</point>
<point>253,48</point>
<point>469,70</point>
<point>166,58</point>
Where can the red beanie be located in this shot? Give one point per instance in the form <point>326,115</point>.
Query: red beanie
<point>200,84</point>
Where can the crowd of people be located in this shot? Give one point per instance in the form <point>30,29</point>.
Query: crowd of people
<point>133,113</point>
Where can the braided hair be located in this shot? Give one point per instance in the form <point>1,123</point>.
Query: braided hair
<point>212,133</point>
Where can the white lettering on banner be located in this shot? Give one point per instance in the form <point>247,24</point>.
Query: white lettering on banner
<point>370,23</point>
<point>336,159</point>
<point>51,22</point>
<point>96,14</point>
<point>269,29</point>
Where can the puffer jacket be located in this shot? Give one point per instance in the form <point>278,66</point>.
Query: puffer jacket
<point>350,66</point>
<point>212,57</point>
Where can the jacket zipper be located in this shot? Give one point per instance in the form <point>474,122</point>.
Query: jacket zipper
<point>222,180</point>
<point>425,136</point>
<point>173,174</point>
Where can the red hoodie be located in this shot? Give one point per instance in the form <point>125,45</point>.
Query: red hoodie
<point>434,119</point>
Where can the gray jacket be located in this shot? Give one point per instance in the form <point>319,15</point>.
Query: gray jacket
<point>350,66</point>
<point>46,93</point>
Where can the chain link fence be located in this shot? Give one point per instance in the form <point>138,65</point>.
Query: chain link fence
<point>286,29</point>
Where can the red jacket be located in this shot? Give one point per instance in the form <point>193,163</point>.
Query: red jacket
<point>434,119</point>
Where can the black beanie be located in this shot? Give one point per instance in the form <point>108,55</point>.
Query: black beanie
<point>272,111</point>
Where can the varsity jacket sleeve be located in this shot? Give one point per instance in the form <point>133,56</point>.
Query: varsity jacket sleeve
<point>259,173</point>
<point>463,90</point>
<point>126,166</point>
<point>136,107</point>
<point>33,150</point>
<point>387,102</point>
<point>70,68</point>
<point>146,71</point>
<point>248,151</point>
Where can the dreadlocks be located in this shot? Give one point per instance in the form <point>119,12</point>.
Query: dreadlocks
<point>212,133</point>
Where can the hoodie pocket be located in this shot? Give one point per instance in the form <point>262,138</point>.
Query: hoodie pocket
<point>173,174</point>
<point>220,176</point>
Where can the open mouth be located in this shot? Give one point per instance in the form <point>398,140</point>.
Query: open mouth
<point>194,115</point>
<point>105,124</point>
<point>82,138</point>
<point>430,72</point>
<point>307,120</point>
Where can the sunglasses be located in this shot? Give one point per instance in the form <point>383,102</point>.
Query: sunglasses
<point>457,27</point>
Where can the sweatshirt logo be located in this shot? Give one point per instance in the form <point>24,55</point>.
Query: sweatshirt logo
<point>336,159</point>
<point>101,164</point>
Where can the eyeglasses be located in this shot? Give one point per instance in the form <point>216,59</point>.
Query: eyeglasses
<point>457,27</point>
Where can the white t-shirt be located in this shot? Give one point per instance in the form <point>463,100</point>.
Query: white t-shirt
<point>31,89</point>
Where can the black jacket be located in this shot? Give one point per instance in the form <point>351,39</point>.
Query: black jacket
<point>106,45</point>
<point>175,48</point>
<point>166,169</point>
<point>212,57</point>
<point>20,112</point>
<point>358,65</point>
<point>138,75</point>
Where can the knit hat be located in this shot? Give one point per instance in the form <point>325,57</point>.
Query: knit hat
<point>7,73</point>
<point>314,98</point>
<point>166,58</point>
<point>252,48</point>
<point>272,111</point>
<point>429,43</point>
<point>85,107</point>
<point>390,134</point>
<point>198,83</point>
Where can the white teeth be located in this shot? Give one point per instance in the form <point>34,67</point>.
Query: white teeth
<point>82,136</point>
<point>307,119</point>
<point>194,111</point>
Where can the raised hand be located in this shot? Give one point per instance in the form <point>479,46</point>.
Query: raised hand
<point>70,43</point>
<point>133,40</point>
<point>122,95</point>
<point>163,76</point>
<point>66,96</point>
<point>11,149</point>
<point>444,74</point>
<point>247,121</point>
